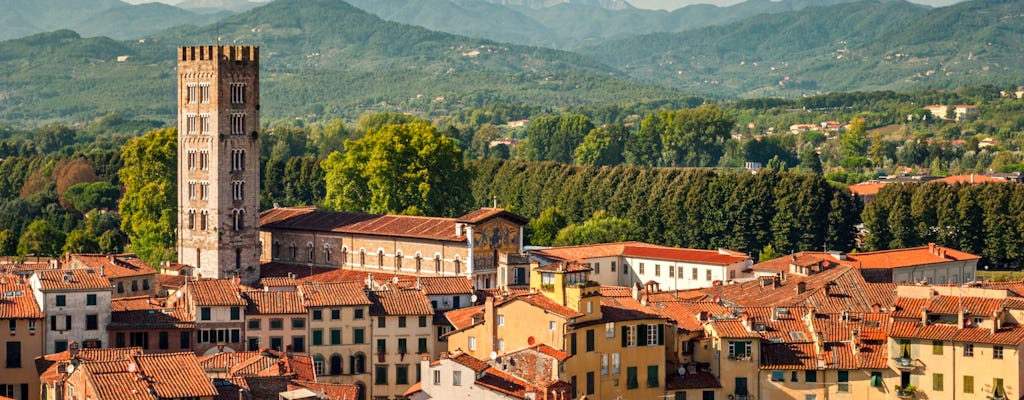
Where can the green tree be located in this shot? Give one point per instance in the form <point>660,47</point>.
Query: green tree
<point>601,228</point>
<point>147,209</point>
<point>555,138</point>
<point>853,142</point>
<point>767,253</point>
<point>40,239</point>
<point>84,197</point>
<point>694,137</point>
<point>602,146</point>
<point>543,229</point>
<point>481,145</point>
<point>396,168</point>
<point>80,241</point>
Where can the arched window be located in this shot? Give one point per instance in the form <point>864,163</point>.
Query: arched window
<point>191,219</point>
<point>318,364</point>
<point>398,261</point>
<point>203,217</point>
<point>327,253</point>
<point>344,256</point>
<point>295,251</point>
<point>335,365</point>
<point>357,364</point>
<point>238,219</point>
<point>419,262</point>
<point>437,263</point>
<point>362,258</point>
<point>458,266</point>
<point>380,259</point>
<point>310,252</point>
<point>275,250</point>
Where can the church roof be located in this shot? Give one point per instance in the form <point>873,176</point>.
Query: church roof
<point>312,219</point>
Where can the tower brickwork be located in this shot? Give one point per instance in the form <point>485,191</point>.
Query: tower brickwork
<point>218,160</point>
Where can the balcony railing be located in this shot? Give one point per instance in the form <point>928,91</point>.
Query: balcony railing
<point>905,363</point>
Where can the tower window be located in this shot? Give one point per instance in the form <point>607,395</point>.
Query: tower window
<point>362,258</point>
<point>237,190</point>
<point>419,262</point>
<point>238,124</point>
<point>311,251</point>
<point>191,123</point>
<point>237,93</point>
<point>204,92</point>
<point>238,219</point>
<point>204,123</point>
<point>237,160</point>
<point>192,190</point>
<point>380,259</point>
<point>203,217</point>
<point>327,253</point>
<point>204,160</point>
<point>190,93</point>
<point>294,250</point>
<point>204,190</point>
<point>398,261</point>
<point>238,258</point>
<point>192,159</point>
<point>191,219</point>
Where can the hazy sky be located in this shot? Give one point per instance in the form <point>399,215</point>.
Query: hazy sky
<point>653,4</point>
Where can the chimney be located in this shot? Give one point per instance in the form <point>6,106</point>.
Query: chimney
<point>931,248</point>
<point>924,316</point>
<point>854,342</point>
<point>995,321</point>
<point>636,291</point>
<point>801,287</point>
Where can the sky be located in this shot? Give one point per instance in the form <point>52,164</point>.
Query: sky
<point>656,4</point>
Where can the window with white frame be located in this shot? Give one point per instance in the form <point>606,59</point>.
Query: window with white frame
<point>609,329</point>
<point>204,92</point>
<point>238,124</point>
<point>192,190</point>
<point>604,364</point>
<point>237,190</point>
<point>630,336</point>
<point>191,159</point>
<point>191,123</point>
<point>204,215</point>
<point>501,320</point>
<point>204,190</point>
<point>615,363</point>
<point>238,219</point>
<point>191,96</point>
<point>192,219</point>
<point>652,335</point>
<point>204,124</point>
<point>472,343</point>
<point>237,93</point>
<point>238,160</point>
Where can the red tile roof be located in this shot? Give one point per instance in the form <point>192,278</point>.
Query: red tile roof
<point>215,292</point>
<point>545,350</point>
<point>399,302</point>
<point>1008,334</point>
<point>969,179</point>
<point>46,365</point>
<point>330,391</point>
<point>565,267</point>
<point>546,304</point>
<point>112,266</point>
<point>279,281</point>
<point>867,188</point>
<point>146,312</point>
<point>463,318</point>
<point>582,253</point>
<point>732,328</point>
<point>319,294</point>
<point>788,356</point>
<point>683,255</point>
<point>486,213</point>
<point>17,301</point>
<point>311,219</point>
<point>898,258</point>
<point>445,285</point>
<point>273,302</point>
<point>469,361</point>
<point>80,279</point>
<point>175,375</point>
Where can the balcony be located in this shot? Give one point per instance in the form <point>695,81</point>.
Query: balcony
<point>905,392</point>
<point>905,363</point>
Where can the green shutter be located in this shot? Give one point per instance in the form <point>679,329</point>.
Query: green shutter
<point>641,335</point>
<point>661,334</point>
<point>572,343</point>
<point>318,337</point>
<point>876,379</point>
<point>625,336</point>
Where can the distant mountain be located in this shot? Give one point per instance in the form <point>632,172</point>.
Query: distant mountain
<point>113,18</point>
<point>319,57</point>
<point>855,46</point>
<point>566,24</point>
<point>207,6</point>
<point>537,4</point>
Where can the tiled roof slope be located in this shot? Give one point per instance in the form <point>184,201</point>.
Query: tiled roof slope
<point>683,255</point>
<point>262,302</point>
<point>215,292</point>
<point>175,375</point>
<point>898,258</point>
<point>113,266</point>
<point>330,391</point>
<point>486,213</point>
<point>318,294</point>
<point>445,285</point>
<point>833,290</point>
<point>399,302</point>
<point>16,301</point>
<point>311,219</point>
<point>147,312</point>
<point>78,279</point>
<point>583,252</point>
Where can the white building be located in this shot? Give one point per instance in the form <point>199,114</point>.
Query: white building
<point>628,263</point>
<point>76,303</point>
<point>461,376</point>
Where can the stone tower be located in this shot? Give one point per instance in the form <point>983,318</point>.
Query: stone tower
<point>218,160</point>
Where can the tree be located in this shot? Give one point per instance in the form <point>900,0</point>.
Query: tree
<point>84,197</point>
<point>40,239</point>
<point>481,145</point>
<point>691,137</point>
<point>602,146</point>
<point>601,228</point>
<point>853,142</point>
<point>767,253</point>
<point>395,168</point>
<point>543,229</point>
<point>810,162</point>
<point>80,241</point>
<point>148,207</point>
<point>555,138</point>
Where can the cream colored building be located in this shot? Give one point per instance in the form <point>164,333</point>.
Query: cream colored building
<point>276,320</point>
<point>340,331</point>
<point>23,341</point>
<point>403,332</point>
<point>77,307</point>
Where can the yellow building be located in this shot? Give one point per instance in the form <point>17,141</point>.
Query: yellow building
<point>20,313</point>
<point>275,320</point>
<point>402,334</point>
<point>339,326</point>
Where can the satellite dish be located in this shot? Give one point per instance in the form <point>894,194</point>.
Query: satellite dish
<point>472,298</point>
<point>131,367</point>
<point>494,355</point>
<point>71,369</point>
<point>682,371</point>
<point>394,280</point>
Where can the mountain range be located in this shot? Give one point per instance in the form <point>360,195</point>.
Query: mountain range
<point>330,58</point>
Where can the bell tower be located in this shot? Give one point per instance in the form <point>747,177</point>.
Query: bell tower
<point>218,160</point>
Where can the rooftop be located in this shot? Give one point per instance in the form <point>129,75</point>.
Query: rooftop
<point>215,292</point>
<point>436,228</point>
<point>78,279</point>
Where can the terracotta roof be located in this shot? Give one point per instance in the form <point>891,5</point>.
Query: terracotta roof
<point>319,294</point>
<point>564,267</point>
<point>399,302</point>
<point>262,302</point>
<point>732,328</point>
<point>582,253</point>
<point>415,388</point>
<point>330,391</point>
<point>908,307</point>
<point>969,179</point>
<point>311,219</point>
<point>1008,334</point>
<point>46,365</point>
<point>683,255</point>
<point>147,312</point>
<point>867,188</point>
<point>215,292</point>
<point>546,304</point>
<point>492,378</point>
<point>278,281</point>
<point>361,276</point>
<point>263,363</point>
<point>113,266</point>
<point>79,279</point>
<point>224,361</point>
<point>545,350</point>
<point>898,258</point>
<point>486,213</point>
<point>445,285</point>
<point>692,380</point>
<point>686,315</point>
<point>618,309</point>
<point>171,281</point>
<point>788,356</point>
<point>302,272</point>
<point>17,301</point>
<point>469,361</point>
<point>175,375</point>
<point>462,318</point>
<point>803,258</point>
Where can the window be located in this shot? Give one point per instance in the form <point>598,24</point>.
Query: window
<point>238,124</point>
<point>997,352</point>
<point>652,376</point>
<point>437,377</point>
<point>997,388</point>
<point>191,123</point>
<point>876,379</point>
<point>276,324</point>
<point>357,314</point>
<point>13,355</point>
<point>237,93</point>
<point>572,343</point>
<point>968,349</point>
<point>968,384</point>
<point>421,345</point>
<point>336,336</point>
<point>380,373</point>
<point>604,364</point>
<point>238,192</point>
<point>318,364</point>
<point>632,382</point>
<point>641,269</point>
<point>358,336</point>
<point>382,346</point>
<point>90,299</point>
<point>135,286</point>
<point>186,340</point>
<point>191,225</point>
<point>190,97</point>
<point>403,347</point>
<point>501,320</point>
<point>204,313</point>
<point>739,350</point>
<point>276,343</point>
<point>456,378</point>
<point>437,264</point>
<point>164,345</point>
<point>708,275</point>
<point>590,307</point>
<point>597,268</point>
<point>299,344</point>
<point>615,363</point>
<point>810,376</point>
<point>318,337</point>
<point>204,124</point>
<point>472,343</point>
<point>203,215</point>
<point>778,376</point>
<point>654,334</point>
<point>92,322</point>
<point>139,339</point>
<point>382,322</point>
<point>590,340</point>
<point>423,321</point>
<point>628,336</point>
<point>145,284</point>
<point>298,323</point>
<point>844,381</point>
<point>937,347</point>
<point>657,269</point>
<point>61,300</point>
<point>671,271</point>
<point>254,324</point>
<point>402,374</point>
<point>613,266</point>
<point>551,325</point>
<point>236,313</point>
<point>937,382</point>
<point>380,259</point>
<point>401,322</point>
<point>318,315</point>
<point>336,314</point>
<point>792,377</point>
<point>204,92</point>
<point>60,345</point>
<point>590,382</point>
<point>237,160</point>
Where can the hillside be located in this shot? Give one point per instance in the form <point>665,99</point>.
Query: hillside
<point>565,24</point>
<point>112,18</point>
<point>856,46</point>
<point>318,57</point>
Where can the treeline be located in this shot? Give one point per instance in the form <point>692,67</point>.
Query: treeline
<point>985,219</point>
<point>698,208</point>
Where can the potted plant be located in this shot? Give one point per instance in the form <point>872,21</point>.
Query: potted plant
<point>905,392</point>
